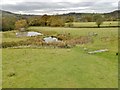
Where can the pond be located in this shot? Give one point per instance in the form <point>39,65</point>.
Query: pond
<point>29,34</point>
<point>50,39</point>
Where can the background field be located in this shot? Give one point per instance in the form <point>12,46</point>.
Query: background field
<point>62,68</point>
<point>93,24</point>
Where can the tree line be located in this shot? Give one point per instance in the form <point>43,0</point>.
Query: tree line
<point>10,23</point>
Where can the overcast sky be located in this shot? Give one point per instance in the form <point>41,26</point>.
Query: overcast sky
<point>40,7</point>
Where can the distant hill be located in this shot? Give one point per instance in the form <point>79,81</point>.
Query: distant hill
<point>8,18</point>
<point>7,13</point>
<point>115,14</point>
<point>10,14</point>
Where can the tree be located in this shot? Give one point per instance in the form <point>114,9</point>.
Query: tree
<point>34,21</point>
<point>8,23</point>
<point>69,20</point>
<point>44,20</point>
<point>21,24</point>
<point>38,20</point>
<point>88,18</point>
<point>98,19</point>
<point>55,21</point>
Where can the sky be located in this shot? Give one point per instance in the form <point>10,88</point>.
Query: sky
<point>40,7</point>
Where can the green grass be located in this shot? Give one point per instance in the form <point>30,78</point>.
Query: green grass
<point>63,68</point>
<point>99,42</point>
<point>39,68</point>
<point>93,24</point>
<point>10,36</point>
<point>78,31</point>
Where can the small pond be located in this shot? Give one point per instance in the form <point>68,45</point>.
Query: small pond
<point>29,34</point>
<point>50,39</point>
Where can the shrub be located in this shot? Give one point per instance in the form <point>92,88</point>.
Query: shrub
<point>64,36</point>
<point>36,41</point>
<point>9,44</point>
<point>79,40</point>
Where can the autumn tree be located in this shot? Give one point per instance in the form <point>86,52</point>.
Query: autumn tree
<point>44,20</point>
<point>21,24</point>
<point>34,21</point>
<point>55,21</point>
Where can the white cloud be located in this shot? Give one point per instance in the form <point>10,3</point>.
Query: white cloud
<point>11,1</point>
<point>73,1</point>
<point>58,6</point>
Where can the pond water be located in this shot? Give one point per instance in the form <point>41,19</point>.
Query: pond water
<point>50,39</point>
<point>23,34</point>
<point>33,34</point>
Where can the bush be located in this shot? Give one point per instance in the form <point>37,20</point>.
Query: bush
<point>79,40</point>
<point>64,36</point>
<point>36,41</point>
<point>31,41</point>
<point>9,44</point>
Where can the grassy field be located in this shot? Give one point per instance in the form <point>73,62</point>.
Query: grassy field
<point>62,68</point>
<point>93,24</point>
<point>11,36</point>
<point>107,37</point>
<point>58,68</point>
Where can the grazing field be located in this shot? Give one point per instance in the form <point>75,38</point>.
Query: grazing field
<point>62,67</point>
<point>93,24</point>
<point>107,37</point>
<point>58,68</point>
<point>11,36</point>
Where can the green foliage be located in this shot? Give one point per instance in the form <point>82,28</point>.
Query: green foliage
<point>8,19</point>
<point>44,20</point>
<point>8,23</point>
<point>38,20</point>
<point>34,21</point>
<point>87,18</point>
<point>69,19</point>
<point>98,19</point>
<point>9,44</point>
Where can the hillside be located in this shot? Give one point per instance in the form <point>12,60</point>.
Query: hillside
<point>9,18</point>
<point>7,13</point>
<point>10,14</point>
<point>113,14</point>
